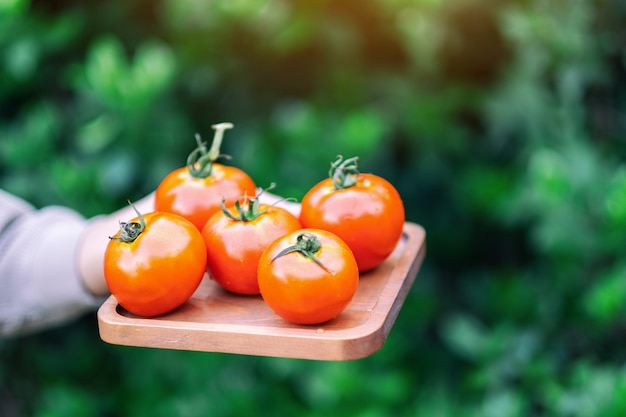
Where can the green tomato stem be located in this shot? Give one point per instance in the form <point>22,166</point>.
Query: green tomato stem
<point>200,160</point>
<point>129,231</point>
<point>307,244</point>
<point>344,174</point>
<point>250,209</point>
<point>218,136</point>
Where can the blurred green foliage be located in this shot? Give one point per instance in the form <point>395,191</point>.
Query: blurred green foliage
<point>502,124</point>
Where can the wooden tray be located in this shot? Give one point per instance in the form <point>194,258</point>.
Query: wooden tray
<point>214,320</point>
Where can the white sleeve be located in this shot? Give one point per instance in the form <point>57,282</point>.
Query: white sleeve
<point>40,285</point>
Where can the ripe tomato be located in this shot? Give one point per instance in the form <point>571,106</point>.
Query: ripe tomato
<point>196,191</point>
<point>308,276</point>
<point>364,210</point>
<point>236,237</point>
<point>154,263</point>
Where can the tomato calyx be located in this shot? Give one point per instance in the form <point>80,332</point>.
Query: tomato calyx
<point>249,211</point>
<point>344,173</point>
<point>307,244</point>
<point>200,160</point>
<point>129,231</point>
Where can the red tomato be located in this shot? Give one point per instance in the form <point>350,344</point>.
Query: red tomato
<point>197,199</point>
<point>364,210</point>
<point>308,276</point>
<point>236,237</point>
<point>195,192</point>
<point>154,263</point>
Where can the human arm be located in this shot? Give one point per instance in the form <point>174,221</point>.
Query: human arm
<point>51,262</point>
<point>39,282</point>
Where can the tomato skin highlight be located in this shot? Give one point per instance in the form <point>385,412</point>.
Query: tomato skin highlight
<point>234,247</point>
<point>197,199</point>
<point>301,291</point>
<point>160,269</point>
<point>368,216</point>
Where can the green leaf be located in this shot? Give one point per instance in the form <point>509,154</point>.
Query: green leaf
<point>12,8</point>
<point>152,71</point>
<point>95,135</point>
<point>466,336</point>
<point>21,58</point>
<point>548,172</point>
<point>360,132</point>
<point>606,300</point>
<point>106,71</point>
<point>615,202</point>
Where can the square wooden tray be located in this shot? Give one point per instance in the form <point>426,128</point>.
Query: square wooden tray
<point>214,320</point>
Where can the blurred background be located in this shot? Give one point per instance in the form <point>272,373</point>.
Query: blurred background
<point>501,122</point>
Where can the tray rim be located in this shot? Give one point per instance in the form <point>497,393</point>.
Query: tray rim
<point>351,343</point>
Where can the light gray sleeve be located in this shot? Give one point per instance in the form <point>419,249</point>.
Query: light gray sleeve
<point>40,285</point>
